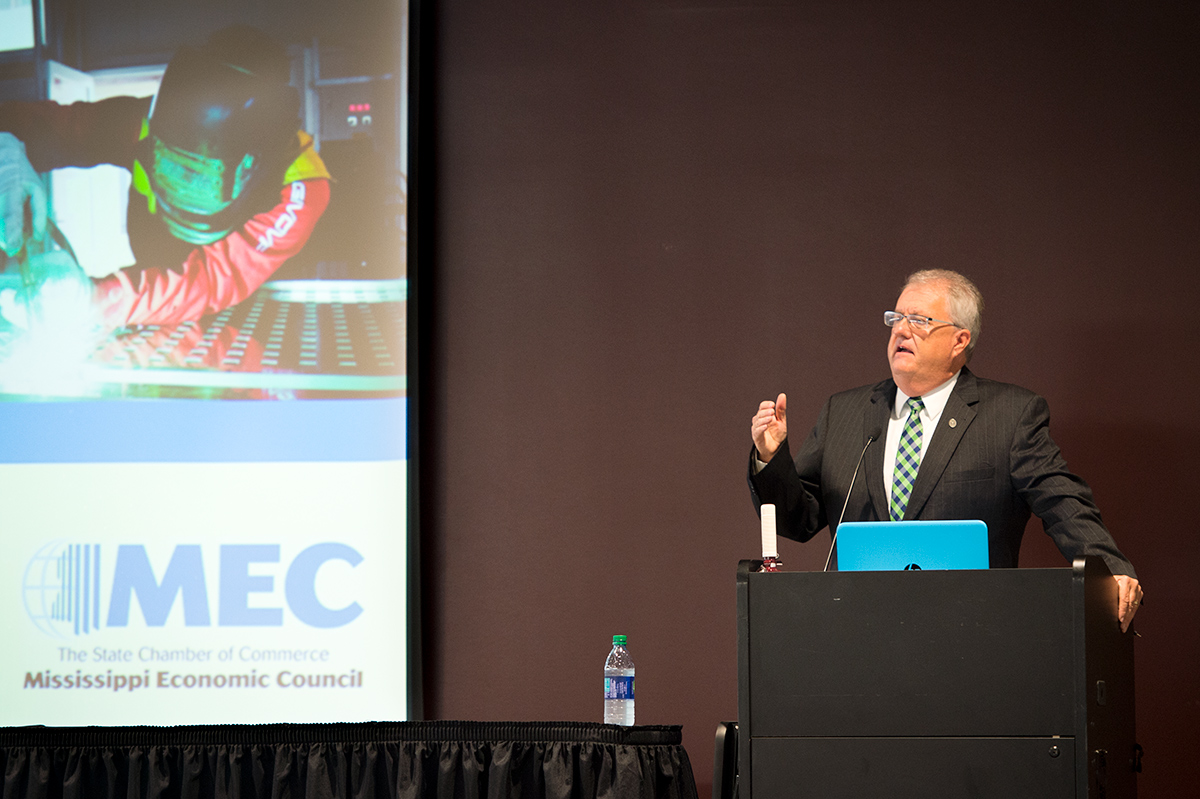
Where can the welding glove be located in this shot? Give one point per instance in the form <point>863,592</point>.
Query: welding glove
<point>58,294</point>
<point>19,184</point>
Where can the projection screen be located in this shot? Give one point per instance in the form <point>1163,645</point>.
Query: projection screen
<point>203,368</point>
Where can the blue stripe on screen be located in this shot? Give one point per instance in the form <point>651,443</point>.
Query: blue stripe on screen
<point>204,431</point>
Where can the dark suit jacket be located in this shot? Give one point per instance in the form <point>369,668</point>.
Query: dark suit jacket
<point>991,458</point>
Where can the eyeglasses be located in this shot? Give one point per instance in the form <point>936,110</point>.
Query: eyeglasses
<point>916,321</point>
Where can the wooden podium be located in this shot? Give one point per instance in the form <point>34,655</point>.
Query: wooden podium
<point>995,683</point>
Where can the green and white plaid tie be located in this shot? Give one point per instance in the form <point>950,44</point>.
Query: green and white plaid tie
<point>908,458</point>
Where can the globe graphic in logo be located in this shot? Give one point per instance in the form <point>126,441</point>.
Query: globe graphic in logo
<point>61,589</point>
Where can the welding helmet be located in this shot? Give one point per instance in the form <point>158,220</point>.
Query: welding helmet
<point>222,128</point>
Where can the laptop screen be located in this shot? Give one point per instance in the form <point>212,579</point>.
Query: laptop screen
<point>891,546</point>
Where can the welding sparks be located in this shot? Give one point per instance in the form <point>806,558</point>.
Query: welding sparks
<point>53,332</point>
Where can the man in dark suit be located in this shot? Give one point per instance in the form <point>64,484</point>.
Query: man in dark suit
<point>936,442</point>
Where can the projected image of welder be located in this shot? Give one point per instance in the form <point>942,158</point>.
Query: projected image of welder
<point>225,186</point>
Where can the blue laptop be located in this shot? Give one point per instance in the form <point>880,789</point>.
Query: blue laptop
<point>890,546</point>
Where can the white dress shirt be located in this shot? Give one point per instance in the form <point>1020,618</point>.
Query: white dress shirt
<point>935,402</point>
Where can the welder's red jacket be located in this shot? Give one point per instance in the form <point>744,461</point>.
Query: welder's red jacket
<point>215,276</point>
<point>172,281</point>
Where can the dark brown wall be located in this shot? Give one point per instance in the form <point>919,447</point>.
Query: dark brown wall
<point>651,215</point>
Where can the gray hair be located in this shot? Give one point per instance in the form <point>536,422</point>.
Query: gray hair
<point>962,298</point>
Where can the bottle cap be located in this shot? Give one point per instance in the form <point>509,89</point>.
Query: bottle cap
<point>619,640</point>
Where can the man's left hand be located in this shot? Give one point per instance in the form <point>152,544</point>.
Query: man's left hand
<point>19,187</point>
<point>1129,599</point>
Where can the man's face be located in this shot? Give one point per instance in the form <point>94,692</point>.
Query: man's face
<point>922,360</point>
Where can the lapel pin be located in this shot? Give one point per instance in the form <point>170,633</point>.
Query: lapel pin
<point>954,423</point>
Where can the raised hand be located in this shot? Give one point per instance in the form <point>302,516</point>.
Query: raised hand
<point>768,427</point>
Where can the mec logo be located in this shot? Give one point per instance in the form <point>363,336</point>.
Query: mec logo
<point>62,587</point>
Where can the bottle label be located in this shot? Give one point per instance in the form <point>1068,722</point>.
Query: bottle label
<point>618,688</point>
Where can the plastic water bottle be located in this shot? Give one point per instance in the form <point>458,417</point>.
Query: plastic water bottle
<point>618,685</point>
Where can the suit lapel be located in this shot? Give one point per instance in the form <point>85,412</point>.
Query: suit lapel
<point>956,418</point>
<point>875,422</point>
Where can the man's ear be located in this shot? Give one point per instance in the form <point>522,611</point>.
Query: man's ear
<point>961,339</point>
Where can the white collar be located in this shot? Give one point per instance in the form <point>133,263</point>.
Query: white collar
<point>935,401</point>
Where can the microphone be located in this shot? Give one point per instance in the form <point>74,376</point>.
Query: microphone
<point>849,491</point>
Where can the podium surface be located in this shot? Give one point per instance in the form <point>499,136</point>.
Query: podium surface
<point>990,683</point>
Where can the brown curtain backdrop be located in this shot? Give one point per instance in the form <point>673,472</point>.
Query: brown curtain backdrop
<point>651,215</point>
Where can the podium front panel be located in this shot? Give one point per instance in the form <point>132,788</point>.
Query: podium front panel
<point>912,653</point>
<point>991,683</point>
<point>915,768</point>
